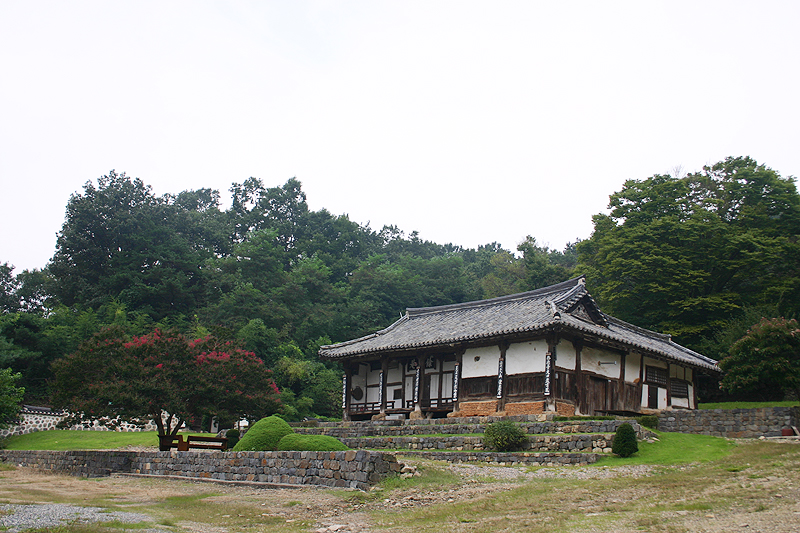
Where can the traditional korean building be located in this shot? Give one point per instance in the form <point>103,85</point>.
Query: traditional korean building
<point>551,349</point>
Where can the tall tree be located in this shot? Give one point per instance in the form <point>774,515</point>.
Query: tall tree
<point>684,255</point>
<point>119,240</point>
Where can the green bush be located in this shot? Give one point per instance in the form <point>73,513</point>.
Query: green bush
<point>264,435</point>
<point>233,437</point>
<point>625,443</point>
<point>504,436</point>
<point>649,421</point>
<point>311,443</point>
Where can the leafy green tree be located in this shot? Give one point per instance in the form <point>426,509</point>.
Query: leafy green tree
<point>544,266</point>
<point>10,397</point>
<point>159,374</point>
<point>9,301</point>
<point>685,255</point>
<point>119,240</point>
<point>768,354</point>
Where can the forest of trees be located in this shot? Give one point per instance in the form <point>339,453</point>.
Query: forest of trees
<point>702,256</point>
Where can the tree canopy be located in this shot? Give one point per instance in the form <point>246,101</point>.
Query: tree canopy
<point>163,377</point>
<point>685,255</point>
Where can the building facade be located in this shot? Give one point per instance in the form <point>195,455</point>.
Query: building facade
<point>546,350</point>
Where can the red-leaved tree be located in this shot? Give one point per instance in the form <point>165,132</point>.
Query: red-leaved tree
<point>163,377</point>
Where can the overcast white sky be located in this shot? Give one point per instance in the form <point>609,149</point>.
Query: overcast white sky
<point>470,122</point>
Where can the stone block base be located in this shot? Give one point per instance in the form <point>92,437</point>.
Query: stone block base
<point>565,409</point>
<point>525,408</point>
<point>486,408</point>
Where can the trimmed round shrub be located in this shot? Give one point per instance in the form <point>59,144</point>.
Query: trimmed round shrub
<point>648,421</point>
<point>264,435</point>
<point>625,443</point>
<point>504,436</point>
<point>311,443</point>
<point>233,437</point>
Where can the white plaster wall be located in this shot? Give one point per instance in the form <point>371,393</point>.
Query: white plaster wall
<point>390,397</point>
<point>525,357</point>
<point>633,362</point>
<point>373,394</point>
<point>448,366</point>
<point>565,355</point>
<point>409,386</point>
<point>447,386</point>
<point>486,365</point>
<point>393,375</point>
<point>591,358</point>
<point>680,402</point>
<point>374,377</point>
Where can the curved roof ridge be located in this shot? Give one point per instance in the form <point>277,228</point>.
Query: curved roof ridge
<point>559,287</point>
<point>661,336</point>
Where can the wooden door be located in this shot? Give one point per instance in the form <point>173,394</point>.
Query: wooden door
<point>598,395</point>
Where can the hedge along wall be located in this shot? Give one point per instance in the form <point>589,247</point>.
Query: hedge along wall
<point>358,469</point>
<point>732,423</point>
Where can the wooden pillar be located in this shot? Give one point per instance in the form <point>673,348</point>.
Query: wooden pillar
<point>669,386</point>
<point>621,384</point>
<point>382,383</point>
<point>346,380</point>
<point>549,373</point>
<point>579,393</point>
<point>501,374</point>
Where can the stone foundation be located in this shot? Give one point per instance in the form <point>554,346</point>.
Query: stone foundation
<point>524,408</point>
<point>485,408</point>
<point>599,443</point>
<point>515,458</point>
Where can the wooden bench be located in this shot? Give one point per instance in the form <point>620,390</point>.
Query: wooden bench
<point>192,442</point>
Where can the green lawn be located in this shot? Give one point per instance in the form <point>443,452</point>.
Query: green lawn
<point>746,405</point>
<point>60,439</point>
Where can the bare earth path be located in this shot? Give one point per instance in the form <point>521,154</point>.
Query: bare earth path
<point>760,497</point>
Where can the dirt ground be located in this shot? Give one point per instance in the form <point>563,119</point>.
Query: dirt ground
<point>321,510</point>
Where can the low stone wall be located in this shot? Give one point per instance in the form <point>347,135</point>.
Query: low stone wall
<point>33,419</point>
<point>465,426</point>
<point>358,469</point>
<point>539,443</point>
<point>732,423</point>
<point>515,458</point>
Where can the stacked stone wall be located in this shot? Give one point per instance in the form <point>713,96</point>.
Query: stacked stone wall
<point>516,458</point>
<point>358,469</point>
<point>732,423</point>
<point>33,420</point>
<point>461,427</point>
<point>539,443</point>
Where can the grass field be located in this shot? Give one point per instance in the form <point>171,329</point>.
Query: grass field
<point>61,439</point>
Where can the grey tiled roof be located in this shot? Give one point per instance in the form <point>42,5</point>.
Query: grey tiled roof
<point>547,308</point>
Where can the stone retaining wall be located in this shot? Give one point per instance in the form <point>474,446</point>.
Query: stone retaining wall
<point>516,458</point>
<point>732,423</point>
<point>539,443</point>
<point>465,426</point>
<point>358,469</point>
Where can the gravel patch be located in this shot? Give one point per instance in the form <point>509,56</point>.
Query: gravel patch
<point>15,518</point>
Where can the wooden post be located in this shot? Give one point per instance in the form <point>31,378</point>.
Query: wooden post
<point>669,386</point>
<point>382,383</point>
<point>579,393</point>
<point>501,374</point>
<point>621,384</point>
<point>346,392</point>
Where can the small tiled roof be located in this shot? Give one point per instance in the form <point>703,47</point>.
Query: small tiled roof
<point>566,306</point>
